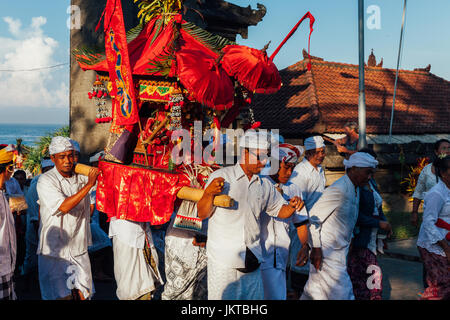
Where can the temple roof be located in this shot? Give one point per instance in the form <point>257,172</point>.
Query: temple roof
<point>325,98</point>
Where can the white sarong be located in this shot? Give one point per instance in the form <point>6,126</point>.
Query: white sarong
<point>134,276</point>
<point>226,283</point>
<point>274,281</point>
<point>57,277</point>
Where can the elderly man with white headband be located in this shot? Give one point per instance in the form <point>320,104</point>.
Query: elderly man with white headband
<point>233,248</point>
<point>31,235</point>
<point>309,177</point>
<point>64,232</point>
<point>332,220</point>
<point>275,239</point>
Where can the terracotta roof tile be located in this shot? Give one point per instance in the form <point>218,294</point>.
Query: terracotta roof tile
<point>323,99</point>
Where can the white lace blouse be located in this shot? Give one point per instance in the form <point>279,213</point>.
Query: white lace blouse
<point>426,181</point>
<point>436,206</point>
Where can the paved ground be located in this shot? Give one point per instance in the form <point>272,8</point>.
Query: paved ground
<point>401,267</point>
<point>402,279</point>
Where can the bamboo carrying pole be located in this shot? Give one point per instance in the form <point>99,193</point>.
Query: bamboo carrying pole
<point>194,194</point>
<point>185,193</point>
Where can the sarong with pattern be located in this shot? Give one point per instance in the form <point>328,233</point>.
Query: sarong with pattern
<point>359,261</point>
<point>437,276</point>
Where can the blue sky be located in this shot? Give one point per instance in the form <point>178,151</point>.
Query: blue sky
<point>33,33</point>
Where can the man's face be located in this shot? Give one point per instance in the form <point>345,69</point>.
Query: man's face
<point>285,172</point>
<point>64,162</point>
<point>318,156</point>
<point>255,160</point>
<point>362,175</point>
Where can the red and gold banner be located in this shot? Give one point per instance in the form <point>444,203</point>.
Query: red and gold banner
<point>125,107</point>
<point>137,194</point>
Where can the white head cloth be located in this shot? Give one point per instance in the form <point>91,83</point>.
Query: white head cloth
<point>76,145</point>
<point>315,142</point>
<point>97,156</point>
<point>287,152</point>
<point>60,144</point>
<point>361,160</point>
<point>255,140</point>
<point>47,163</point>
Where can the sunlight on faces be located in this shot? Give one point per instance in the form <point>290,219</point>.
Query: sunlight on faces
<point>285,172</point>
<point>315,156</point>
<point>64,162</point>
<point>255,159</point>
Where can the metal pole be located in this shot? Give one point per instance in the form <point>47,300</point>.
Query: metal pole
<point>396,73</point>
<point>362,142</point>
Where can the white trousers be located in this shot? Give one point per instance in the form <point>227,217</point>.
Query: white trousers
<point>226,283</point>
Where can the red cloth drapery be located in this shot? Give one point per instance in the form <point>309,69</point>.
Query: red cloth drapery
<point>444,225</point>
<point>253,69</point>
<point>205,79</point>
<point>120,73</point>
<point>136,194</point>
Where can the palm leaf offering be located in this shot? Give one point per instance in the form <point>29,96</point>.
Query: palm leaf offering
<point>150,9</point>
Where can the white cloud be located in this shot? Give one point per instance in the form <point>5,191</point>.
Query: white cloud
<point>29,48</point>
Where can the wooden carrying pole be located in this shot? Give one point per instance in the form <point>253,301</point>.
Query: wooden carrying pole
<point>185,193</point>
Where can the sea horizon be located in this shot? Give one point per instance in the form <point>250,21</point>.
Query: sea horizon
<point>30,133</point>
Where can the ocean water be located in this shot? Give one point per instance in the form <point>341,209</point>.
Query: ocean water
<point>30,133</point>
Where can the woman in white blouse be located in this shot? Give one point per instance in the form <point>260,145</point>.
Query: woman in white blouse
<point>427,179</point>
<point>434,235</point>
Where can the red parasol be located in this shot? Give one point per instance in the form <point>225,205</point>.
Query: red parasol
<point>252,68</point>
<point>205,79</point>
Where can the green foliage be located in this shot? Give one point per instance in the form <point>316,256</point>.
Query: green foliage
<point>212,41</point>
<point>40,151</point>
<point>401,227</point>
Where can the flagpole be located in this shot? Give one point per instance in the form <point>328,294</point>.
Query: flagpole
<point>396,72</point>
<point>362,142</point>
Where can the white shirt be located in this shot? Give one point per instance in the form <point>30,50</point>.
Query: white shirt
<point>334,215</point>
<point>226,235</point>
<point>275,231</point>
<point>426,181</point>
<point>7,238</point>
<point>129,232</point>
<point>62,235</point>
<point>436,206</point>
<point>310,180</point>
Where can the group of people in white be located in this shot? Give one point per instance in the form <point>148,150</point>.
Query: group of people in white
<point>287,220</point>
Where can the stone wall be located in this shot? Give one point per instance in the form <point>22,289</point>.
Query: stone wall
<point>91,136</point>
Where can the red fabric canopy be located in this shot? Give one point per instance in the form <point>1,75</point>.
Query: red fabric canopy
<point>253,69</point>
<point>205,79</point>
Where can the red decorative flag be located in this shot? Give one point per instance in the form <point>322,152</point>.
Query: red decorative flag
<point>120,72</point>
